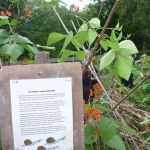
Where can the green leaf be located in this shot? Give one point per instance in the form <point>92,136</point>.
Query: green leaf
<point>54,37</point>
<point>117,26</point>
<point>65,54</point>
<point>3,33</point>
<point>86,107</point>
<point>113,36</point>
<point>114,45</point>
<point>128,47</point>
<point>4,37</point>
<point>91,36</point>
<point>131,131</point>
<point>102,108</point>
<point>80,55</point>
<point>49,3</point>
<point>116,143</point>
<point>83,27</point>
<point>68,53</point>
<point>104,44</point>
<point>94,23</point>
<point>89,137</point>
<point>31,49</point>
<point>107,59</point>
<point>14,23</point>
<point>4,40</point>
<point>68,39</point>
<point>120,28</point>
<point>148,139</point>
<point>21,39</point>
<point>104,101</point>
<point>123,66</point>
<point>120,36</point>
<point>4,22</point>
<point>87,147</point>
<point>12,50</point>
<point>107,128</point>
<point>79,39</point>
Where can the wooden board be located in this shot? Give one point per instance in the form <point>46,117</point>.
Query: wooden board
<point>40,71</point>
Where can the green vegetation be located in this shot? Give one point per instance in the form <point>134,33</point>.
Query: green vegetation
<point>113,56</point>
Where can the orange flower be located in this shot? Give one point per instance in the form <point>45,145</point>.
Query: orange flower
<point>91,94</point>
<point>2,13</point>
<point>97,90</point>
<point>27,11</point>
<point>96,114</point>
<point>97,87</point>
<point>89,111</point>
<point>8,13</point>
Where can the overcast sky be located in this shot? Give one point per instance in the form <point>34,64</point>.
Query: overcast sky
<point>79,3</point>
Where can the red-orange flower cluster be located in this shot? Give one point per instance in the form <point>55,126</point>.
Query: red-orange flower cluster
<point>93,114</point>
<point>27,11</point>
<point>96,91</point>
<point>6,13</point>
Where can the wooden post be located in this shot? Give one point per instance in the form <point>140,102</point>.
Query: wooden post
<point>42,58</point>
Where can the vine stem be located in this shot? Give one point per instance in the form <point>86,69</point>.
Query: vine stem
<point>132,91</point>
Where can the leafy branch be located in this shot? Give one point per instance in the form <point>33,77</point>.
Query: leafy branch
<point>88,58</point>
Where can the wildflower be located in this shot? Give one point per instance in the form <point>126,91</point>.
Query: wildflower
<point>89,111</point>
<point>74,8</point>
<point>97,90</point>
<point>96,114</point>
<point>2,13</point>
<point>27,12</point>
<point>93,114</point>
<point>91,94</point>
<point>8,13</point>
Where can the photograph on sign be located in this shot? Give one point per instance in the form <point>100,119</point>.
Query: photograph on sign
<point>42,113</point>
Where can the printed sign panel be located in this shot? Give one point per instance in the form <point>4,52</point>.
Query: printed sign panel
<point>41,110</point>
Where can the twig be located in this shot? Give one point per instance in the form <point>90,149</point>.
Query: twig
<point>60,20</point>
<point>136,139</point>
<point>124,123</point>
<point>74,26</point>
<point>132,91</point>
<point>101,7</point>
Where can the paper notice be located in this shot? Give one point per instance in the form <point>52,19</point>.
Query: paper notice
<point>42,114</point>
